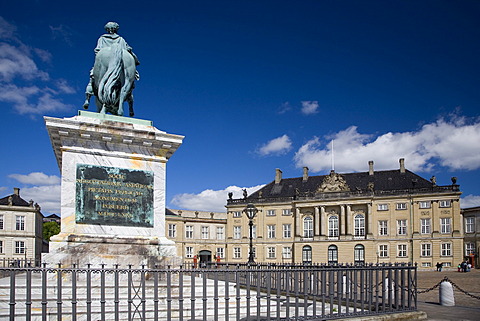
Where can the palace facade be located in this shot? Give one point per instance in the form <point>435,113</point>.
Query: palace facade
<point>471,218</point>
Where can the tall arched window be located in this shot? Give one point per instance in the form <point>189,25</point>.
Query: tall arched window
<point>307,254</point>
<point>359,225</point>
<point>359,254</point>
<point>333,226</point>
<point>332,254</point>
<point>308,227</point>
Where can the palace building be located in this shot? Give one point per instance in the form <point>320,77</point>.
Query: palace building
<point>365,217</point>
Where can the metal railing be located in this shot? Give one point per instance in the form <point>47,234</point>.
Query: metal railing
<point>226,292</point>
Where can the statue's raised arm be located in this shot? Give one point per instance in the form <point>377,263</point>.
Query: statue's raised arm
<point>113,74</point>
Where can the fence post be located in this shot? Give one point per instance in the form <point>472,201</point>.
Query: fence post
<point>446,297</point>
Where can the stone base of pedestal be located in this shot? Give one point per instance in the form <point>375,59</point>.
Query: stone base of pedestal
<point>69,249</point>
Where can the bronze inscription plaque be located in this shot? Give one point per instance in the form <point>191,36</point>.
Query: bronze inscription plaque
<point>114,196</point>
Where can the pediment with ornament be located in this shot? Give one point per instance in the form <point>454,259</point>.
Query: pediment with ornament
<point>333,182</point>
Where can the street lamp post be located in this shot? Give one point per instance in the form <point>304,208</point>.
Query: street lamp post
<point>251,211</point>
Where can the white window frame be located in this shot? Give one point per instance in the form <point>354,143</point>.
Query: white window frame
<point>172,231</point>
<point>425,226</point>
<point>220,252</point>
<point>271,252</point>
<point>426,249</point>
<point>237,232</point>
<point>382,207</point>
<point>287,252</point>
<point>445,203</point>
<point>254,232</point>
<point>424,204</point>
<point>469,248</point>
<point>359,225</point>
<point>287,231</point>
<point>188,252</point>
<point>445,249</point>
<point>237,252</point>
<point>445,225</point>
<point>383,250</point>
<point>189,231</point>
<point>333,226</point>
<point>271,231</point>
<point>1,221</point>
<point>205,232</point>
<point>401,206</point>
<point>220,233</point>
<point>286,212</point>
<point>20,247</point>
<point>1,246</point>
<point>20,223</point>
<point>383,227</point>
<point>308,227</point>
<point>237,214</point>
<point>271,212</point>
<point>470,224</point>
<point>401,227</point>
<point>402,250</point>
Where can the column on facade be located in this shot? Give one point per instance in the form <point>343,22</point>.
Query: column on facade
<point>323,221</point>
<point>298,220</point>
<point>368,218</point>
<point>348,221</point>
<point>318,221</point>
<point>342,220</point>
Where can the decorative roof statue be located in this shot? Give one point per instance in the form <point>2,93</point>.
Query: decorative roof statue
<point>333,183</point>
<point>113,74</point>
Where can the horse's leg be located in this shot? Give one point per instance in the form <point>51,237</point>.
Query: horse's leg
<point>87,101</point>
<point>130,104</point>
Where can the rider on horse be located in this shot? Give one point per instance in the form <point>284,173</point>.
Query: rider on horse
<point>105,41</point>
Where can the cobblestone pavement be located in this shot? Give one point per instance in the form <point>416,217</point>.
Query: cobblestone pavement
<point>466,307</point>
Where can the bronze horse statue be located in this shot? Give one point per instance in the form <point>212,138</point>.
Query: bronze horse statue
<point>113,79</point>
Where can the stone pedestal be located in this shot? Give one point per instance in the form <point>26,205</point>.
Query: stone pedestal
<point>113,191</point>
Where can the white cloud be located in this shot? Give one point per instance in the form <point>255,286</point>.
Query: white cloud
<point>276,146</point>
<point>285,107</point>
<point>15,62</point>
<point>454,144</point>
<point>470,201</point>
<point>36,178</point>
<point>309,107</point>
<point>210,200</point>
<point>48,197</point>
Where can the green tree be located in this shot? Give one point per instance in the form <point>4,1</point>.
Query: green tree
<point>50,229</point>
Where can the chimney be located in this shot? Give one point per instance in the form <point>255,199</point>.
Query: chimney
<point>370,168</point>
<point>305,173</point>
<point>402,165</point>
<point>278,175</point>
<point>16,191</point>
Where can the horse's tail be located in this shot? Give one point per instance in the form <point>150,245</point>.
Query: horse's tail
<point>107,92</point>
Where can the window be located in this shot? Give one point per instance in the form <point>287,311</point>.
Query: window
<point>287,231</point>
<point>1,222</point>
<point>308,227</point>
<point>445,203</point>
<point>20,223</point>
<point>401,206</point>
<point>270,212</point>
<point>425,226</point>
<point>237,214</point>
<point>237,254</point>
<point>286,212</point>
<point>271,231</point>
<point>1,246</point>
<point>254,250</point>
<point>382,227</point>
<point>205,232</point>
<point>307,254</point>
<point>237,232</point>
<point>254,231</point>
<point>359,254</point>
<point>426,264</point>
<point>401,227</point>
<point>19,247</point>
<point>425,204</point>
<point>382,207</point>
<point>220,233</point>
<point>287,252</point>
<point>359,225</point>
<point>469,224</point>
<point>445,226</point>
<point>446,249</point>
<point>469,249</point>
<point>333,226</point>
<point>189,252</point>
<point>383,250</point>
<point>271,252</point>
<point>402,250</point>
<point>172,230</point>
<point>189,231</point>
<point>220,253</point>
<point>332,254</point>
<point>426,249</point>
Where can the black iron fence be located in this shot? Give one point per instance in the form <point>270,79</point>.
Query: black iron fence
<point>226,292</point>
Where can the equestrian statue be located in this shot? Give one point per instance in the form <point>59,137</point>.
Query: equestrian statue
<point>113,74</point>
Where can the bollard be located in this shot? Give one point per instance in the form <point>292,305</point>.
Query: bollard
<point>446,297</point>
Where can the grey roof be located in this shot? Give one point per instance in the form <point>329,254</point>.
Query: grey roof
<point>16,200</point>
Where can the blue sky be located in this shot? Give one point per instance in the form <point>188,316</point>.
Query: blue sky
<point>254,86</point>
